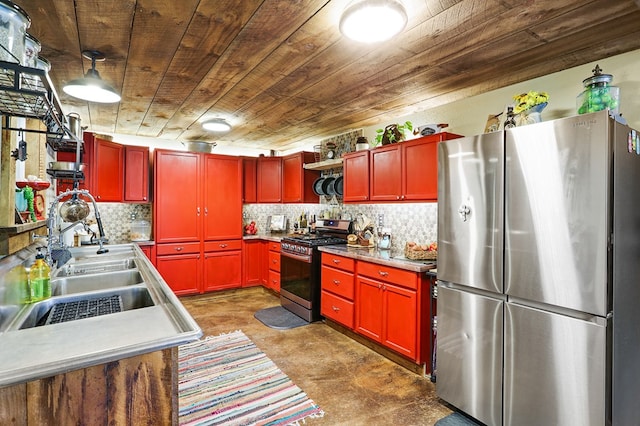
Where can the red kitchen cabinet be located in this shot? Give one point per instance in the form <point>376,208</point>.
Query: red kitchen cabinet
<point>338,289</point>
<point>136,174</point>
<point>387,309</point>
<point>107,168</point>
<point>385,178</point>
<point>272,262</point>
<point>269,179</point>
<point>249,170</point>
<point>356,176</point>
<point>150,252</point>
<point>406,171</point>
<point>252,254</point>
<point>297,182</point>
<point>177,187</point>
<point>198,205</point>
<point>222,200</point>
<point>222,265</point>
<point>181,272</point>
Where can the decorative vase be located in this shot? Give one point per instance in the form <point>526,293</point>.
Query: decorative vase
<point>531,115</point>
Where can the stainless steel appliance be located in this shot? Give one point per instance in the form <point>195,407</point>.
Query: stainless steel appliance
<point>300,266</point>
<point>539,274</point>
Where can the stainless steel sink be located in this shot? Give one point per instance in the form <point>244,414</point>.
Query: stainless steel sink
<point>107,264</point>
<point>134,297</point>
<point>88,282</point>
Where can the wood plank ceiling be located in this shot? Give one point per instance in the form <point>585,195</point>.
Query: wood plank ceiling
<point>281,73</point>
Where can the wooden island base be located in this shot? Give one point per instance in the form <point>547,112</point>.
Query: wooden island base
<point>131,391</point>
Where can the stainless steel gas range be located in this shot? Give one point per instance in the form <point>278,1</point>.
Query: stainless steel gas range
<point>300,267</point>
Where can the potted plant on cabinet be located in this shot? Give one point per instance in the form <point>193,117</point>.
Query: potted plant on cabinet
<point>393,133</point>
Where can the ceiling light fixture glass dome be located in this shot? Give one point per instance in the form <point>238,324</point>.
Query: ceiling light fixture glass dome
<point>218,125</point>
<point>371,21</point>
<point>91,87</point>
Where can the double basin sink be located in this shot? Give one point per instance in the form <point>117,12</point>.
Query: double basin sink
<point>85,284</point>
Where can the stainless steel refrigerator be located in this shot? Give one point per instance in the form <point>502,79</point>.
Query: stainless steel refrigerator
<point>539,274</point>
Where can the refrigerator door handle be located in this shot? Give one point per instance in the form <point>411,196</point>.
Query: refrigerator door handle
<point>464,211</point>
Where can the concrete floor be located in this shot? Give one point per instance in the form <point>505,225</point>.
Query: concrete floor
<point>353,384</point>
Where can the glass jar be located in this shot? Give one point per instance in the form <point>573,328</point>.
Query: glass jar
<point>32,49</point>
<point>13,27</point>
<point>140,230</point>
<point>598,94</point>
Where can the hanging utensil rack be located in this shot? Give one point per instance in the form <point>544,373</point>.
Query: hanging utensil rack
<point>28,92</point>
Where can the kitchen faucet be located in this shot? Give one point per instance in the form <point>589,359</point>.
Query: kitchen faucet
<point>61,254</point>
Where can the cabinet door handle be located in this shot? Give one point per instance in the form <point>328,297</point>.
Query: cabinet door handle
<point>335,308</point>
<point>336,282</point>
<point>384,287</point>
<point>336,261</point>
<point>206,211</point>
<point>144,198</point>
<point>198,211</point>
<point>222,245</point>
<point>178,248</point>
<point>383,273</point>
<point>398,197</point>
<point>274,261</point>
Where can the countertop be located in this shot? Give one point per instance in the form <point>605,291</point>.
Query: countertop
<point>266,236</point>
<point>392,258</point>
<point>45,351</point>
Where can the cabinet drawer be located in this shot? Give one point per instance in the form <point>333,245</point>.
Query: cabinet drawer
<point>337,282</point>
<point>222,245</point>
<point>340,262</point>
<point>274,281</point>
<point>397,276</point>
<point>177,248</point>
<point>274,261</point>
<point>274,246</point>
<point>337,309</point>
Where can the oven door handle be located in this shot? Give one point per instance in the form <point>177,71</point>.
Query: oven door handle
<point>300,257</point>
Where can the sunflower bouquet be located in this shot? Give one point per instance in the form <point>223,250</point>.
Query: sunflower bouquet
<point>525,101</point>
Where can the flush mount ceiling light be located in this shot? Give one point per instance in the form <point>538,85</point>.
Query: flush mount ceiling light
<point>218,125</point>
<point>91,87</point>
<point>371,21</point>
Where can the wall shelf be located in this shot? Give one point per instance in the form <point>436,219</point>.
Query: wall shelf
<point>335,163</point>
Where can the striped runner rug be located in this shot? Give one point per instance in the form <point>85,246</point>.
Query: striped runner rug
<point>227,380</point>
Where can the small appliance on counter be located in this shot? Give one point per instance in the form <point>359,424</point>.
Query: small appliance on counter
<point>277,223</point>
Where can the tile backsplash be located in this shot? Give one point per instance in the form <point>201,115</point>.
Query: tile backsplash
<point>406,221</point>
<point>116,219</point>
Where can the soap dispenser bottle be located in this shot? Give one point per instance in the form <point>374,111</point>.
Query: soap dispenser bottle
<point>39,279</point>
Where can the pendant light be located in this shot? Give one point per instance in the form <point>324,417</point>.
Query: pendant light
<point>91,87</point>
<point>371,21</point>
<point>217,125</point>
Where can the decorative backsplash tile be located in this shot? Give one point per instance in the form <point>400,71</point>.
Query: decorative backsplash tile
<point>116,219</point>
<point>406,221</point>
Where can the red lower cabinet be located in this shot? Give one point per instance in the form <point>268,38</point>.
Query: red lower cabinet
<point>252,254</point>
<point>337,297</point>
<point>390,305</point>
<point>181,272</point>
<point>222,265</point>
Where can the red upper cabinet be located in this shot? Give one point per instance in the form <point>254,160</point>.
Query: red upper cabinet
<point>356,176</point>
<point>385,181</point>
<point>269,172</point>
<point>177,193</point>
<point>222,201</point>
<point>107,170</point>
<point>297,182</point>
<point>136,174</point>
<point>407,171</point>
<point>249,170</point>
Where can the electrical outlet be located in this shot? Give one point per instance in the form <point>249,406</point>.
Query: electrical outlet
<point>380,220</point>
